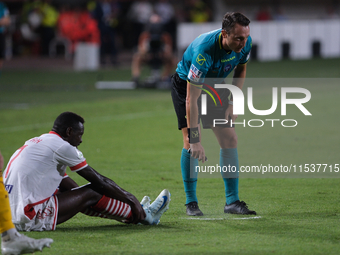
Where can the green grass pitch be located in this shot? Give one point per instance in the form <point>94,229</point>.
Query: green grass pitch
<point>132,137</point>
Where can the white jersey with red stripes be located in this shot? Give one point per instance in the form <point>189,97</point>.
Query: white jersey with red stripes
<point>35,171</point>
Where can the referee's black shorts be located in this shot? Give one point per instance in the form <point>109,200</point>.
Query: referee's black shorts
<point>179,93</point>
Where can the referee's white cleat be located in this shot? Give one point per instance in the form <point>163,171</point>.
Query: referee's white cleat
<point>23,244</point>
<point>155,211</point>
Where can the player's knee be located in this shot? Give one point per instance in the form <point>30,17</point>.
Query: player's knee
<point>96,196</point>
<point>230,142</point>
<point>91,197</point>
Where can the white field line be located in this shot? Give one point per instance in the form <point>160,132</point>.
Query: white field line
<point>128,116</point>
<point>245,218</point>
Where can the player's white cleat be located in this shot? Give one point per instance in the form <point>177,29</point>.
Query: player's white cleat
<point>23,244</point>
<point>160,205</point>
<point>145,202</point>
<point>157,208</point>
<point>149,220</point>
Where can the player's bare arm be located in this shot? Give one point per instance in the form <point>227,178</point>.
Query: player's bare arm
<point>238,80</point>
<point>106,186</point>
<point>193,93</point>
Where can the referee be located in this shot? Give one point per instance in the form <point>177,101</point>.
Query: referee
<point>211,55</point>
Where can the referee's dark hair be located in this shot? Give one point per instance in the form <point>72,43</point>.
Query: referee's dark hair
<point>230,19</point>
<point>66,120</point>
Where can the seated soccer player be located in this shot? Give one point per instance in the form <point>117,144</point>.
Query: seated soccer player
<point>38,168</point>
<point>11,241</point>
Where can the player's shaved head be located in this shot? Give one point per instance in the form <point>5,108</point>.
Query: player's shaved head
<point>66,120</point>
<point>230,19</point>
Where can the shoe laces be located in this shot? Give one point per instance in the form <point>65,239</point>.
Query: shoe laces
<point>242,203</point>
<point>193,205</point>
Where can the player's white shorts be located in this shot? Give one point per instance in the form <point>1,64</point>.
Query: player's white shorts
<point>40,217</point>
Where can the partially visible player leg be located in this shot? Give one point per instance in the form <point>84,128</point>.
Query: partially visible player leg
<point>74,201</point>
<point>84,199</point>
<point>169,63</point>
<point>189,176</point>
<point>190,182</point>
<point>11,241</point>
<point>92,213</point>
<point>113,209</point>
<point>117,210</point>
<point>137,60</point>
<point>5,210</point>
<point>68,184</point>
<point>159,206</point>
<point>227,139</point>
<point>14,243</point>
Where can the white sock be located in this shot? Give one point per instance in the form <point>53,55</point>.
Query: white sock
<point>148,219</point>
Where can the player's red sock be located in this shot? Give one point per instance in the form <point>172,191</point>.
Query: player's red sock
<point>113,208</point>
<point>90,212</point>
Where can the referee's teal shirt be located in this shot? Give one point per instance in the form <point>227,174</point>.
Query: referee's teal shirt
<point>205,58</point>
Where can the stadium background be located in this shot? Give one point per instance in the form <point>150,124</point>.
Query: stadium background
<point>131,137</point>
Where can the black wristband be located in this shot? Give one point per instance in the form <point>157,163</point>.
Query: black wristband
<point>194,135</point>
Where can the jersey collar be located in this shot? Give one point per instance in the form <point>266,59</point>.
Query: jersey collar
<point>220,43</point>
<point>54,133</point>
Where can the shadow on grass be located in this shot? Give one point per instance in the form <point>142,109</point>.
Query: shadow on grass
<point>118,227</point>
<point>315,227</point>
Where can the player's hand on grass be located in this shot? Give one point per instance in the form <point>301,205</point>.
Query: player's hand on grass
<point>197,151</point>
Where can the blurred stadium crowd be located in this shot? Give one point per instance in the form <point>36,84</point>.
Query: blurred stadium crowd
<point>38,25</point>
<point>48,27</point>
